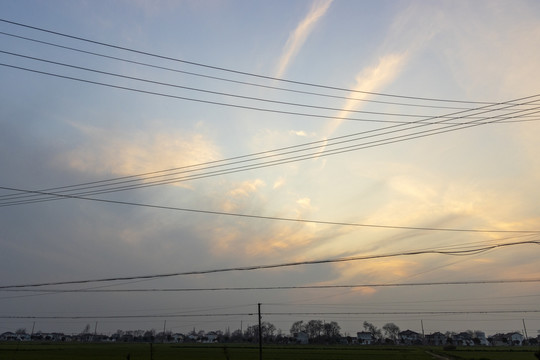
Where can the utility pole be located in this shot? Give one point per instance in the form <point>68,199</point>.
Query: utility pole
<point>525,328</point>
<point>260,333</point>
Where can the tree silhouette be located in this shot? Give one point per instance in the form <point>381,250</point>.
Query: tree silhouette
<point>391,331</point>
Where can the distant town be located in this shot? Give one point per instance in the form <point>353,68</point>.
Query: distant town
<point>310,332</point>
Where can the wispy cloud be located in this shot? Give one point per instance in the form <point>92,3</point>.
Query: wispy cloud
<point>405,39</point>
<point>298,37</point>
<point>370,79</point>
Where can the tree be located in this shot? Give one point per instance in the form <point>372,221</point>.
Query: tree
<point>298,327</point>
<point>369,327</point>
<point>251,333</point>
<point>268,330</point>
<point>331,330</point>
<point>391,331</point>
<point>21,331</point>
<point>149,335</point>
<point>314,328</point>
<point>237,336</point>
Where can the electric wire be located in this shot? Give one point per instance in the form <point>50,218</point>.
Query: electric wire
<point>310,106</point>
<point>203,101</point>
<point>222,93</point>
<point>261,217</point>
<point>267,313</point>
<point>284,287</point>
<point>317,153</point>
<point>147,183</point>
<point>464,252</point>
<point>41,292</point>
<point>139,177</point>
<point>226,79</point>
<point>229,171</point>
<point>535,242</point>
<point>226,94</point>
<point>145,53</point>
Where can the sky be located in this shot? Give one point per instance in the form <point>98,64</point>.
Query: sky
<point>388,144</point>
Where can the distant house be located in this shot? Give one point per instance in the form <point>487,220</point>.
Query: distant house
<point>515,338</point>
<point>498,340</point>
<point>211,337</point>
<point>365,338</point>
<point>481,338</point>
<point>177,338</point>
<point>8,336</point>
<point>436,338</point>
<point>463,339</point>
<point>301,338</point>
<point>410,337</point>
<point>53,336</point>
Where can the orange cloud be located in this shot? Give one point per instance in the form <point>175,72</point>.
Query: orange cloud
<point>112,152</point>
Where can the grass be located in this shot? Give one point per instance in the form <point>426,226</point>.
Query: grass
<point>120,351</point>
<point>491,353</point>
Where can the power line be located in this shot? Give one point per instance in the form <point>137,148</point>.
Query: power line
<point>408,312</point>
<point>322,144</point>
<point>231,70</point>
<point>144,184</point>
<point>292,287</point>
<point>76,317</point>
<point>298,158</point>
<point>257,166</point>
<point>148,92</point>
<point>471,251</point>
<point>234,95</point>
<point>174,315</point>
<point>228,80</point>
<point>221,93</point>
<point>210,102</point>
<point>261,217</point>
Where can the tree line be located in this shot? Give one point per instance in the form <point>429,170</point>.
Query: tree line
<point>317,331</point>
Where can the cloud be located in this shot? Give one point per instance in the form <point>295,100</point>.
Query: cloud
<point>298,37</point>
<point>370,79</point>
<point>374,271</point>
<point>238,239</point>
<point>410,31</point>
<point>304,202</point>
<point>245,188</point>
<point>106,151</point>
<point>298,133</point>
<point>279,183</point>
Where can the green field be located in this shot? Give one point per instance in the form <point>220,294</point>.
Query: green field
<point>105,351</point>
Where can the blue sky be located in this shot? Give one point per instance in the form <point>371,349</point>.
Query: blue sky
<point>56,132</point>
